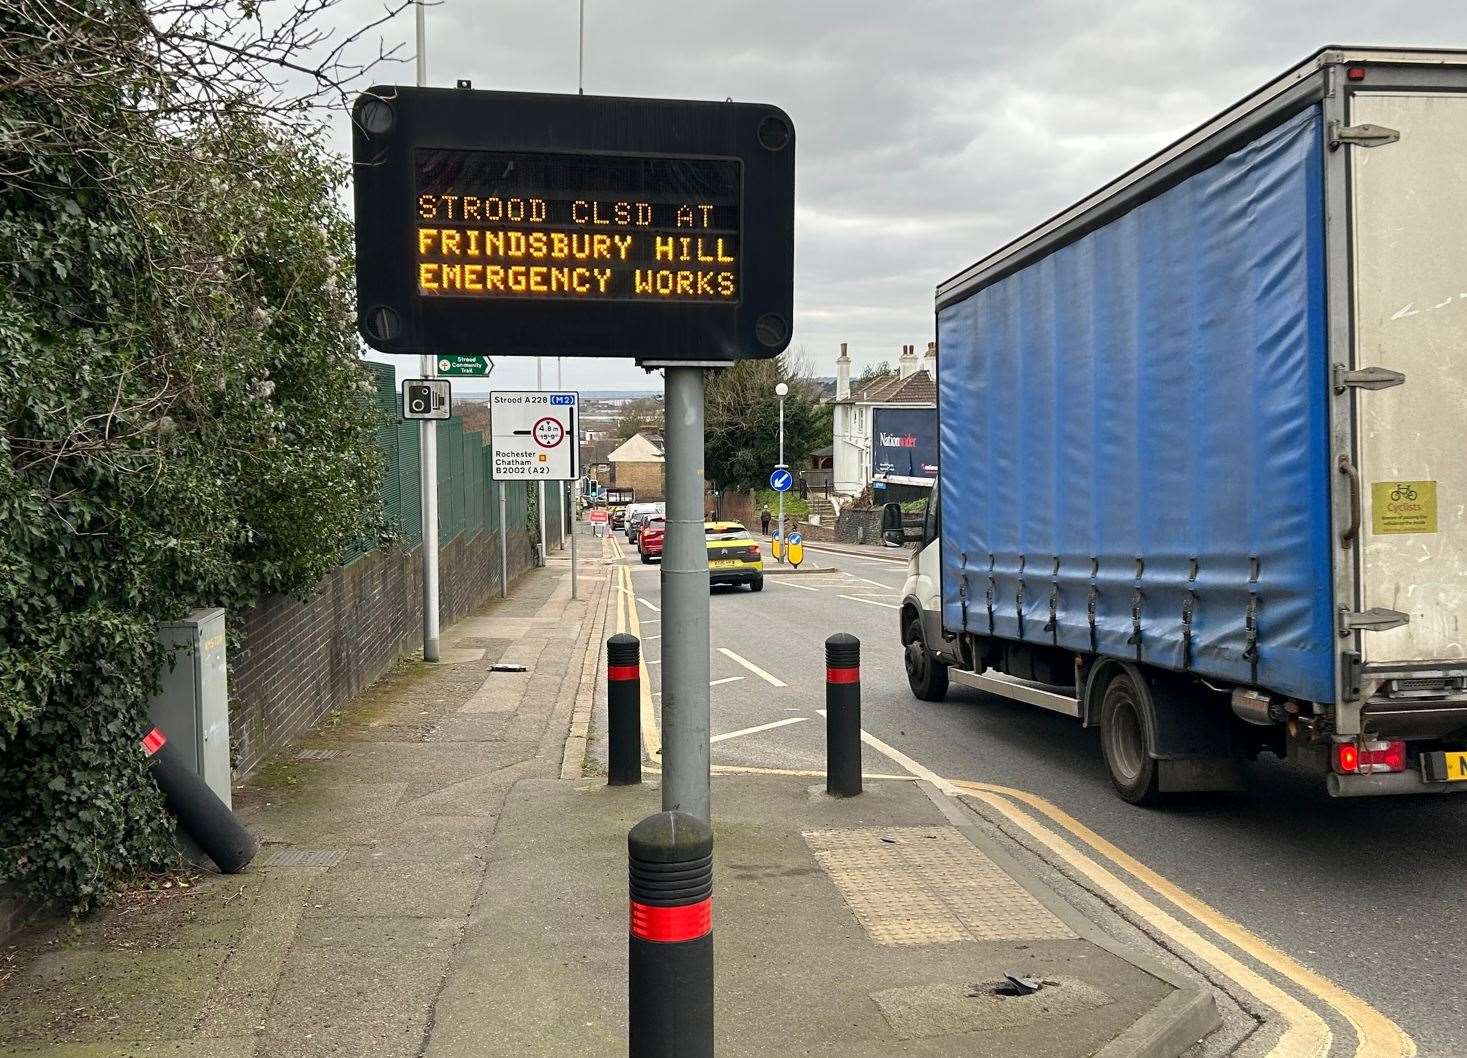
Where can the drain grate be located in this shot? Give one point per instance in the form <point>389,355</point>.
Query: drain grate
<point>291,857</point>
<point>929,885</point>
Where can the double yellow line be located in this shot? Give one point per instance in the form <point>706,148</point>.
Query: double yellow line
<point>628,620</point>
<point>1306,1034</point>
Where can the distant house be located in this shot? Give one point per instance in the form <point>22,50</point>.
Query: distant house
<point>914,386</point>
<point>639,463</point>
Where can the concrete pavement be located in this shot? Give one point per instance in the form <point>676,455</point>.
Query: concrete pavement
<point>430,885</point>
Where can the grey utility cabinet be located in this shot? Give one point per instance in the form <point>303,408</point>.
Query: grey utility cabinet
<point>192,707</point>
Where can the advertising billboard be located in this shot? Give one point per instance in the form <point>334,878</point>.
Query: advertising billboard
<point>904,444</point>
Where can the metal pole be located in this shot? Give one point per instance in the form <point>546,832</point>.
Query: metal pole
<point>503,548</point>
<point>574,525</point>
<point>784,548</point>
<point>581,54</point>
<point>567,497</point>
<point>685,666</point>
<point>428,439</point>
<point>540,485</point>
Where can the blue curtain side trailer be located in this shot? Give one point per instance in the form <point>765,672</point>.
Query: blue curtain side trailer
<point>1201,445</point>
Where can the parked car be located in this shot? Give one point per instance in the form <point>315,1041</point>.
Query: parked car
<point>649,540</point>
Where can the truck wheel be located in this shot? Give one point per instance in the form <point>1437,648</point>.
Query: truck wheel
<point>925,674</point>
<point>1126,727</point>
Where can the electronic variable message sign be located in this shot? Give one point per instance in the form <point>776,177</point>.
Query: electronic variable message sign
<point>495,223</point>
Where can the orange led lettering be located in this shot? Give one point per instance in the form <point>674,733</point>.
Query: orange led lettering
<point>707,211</point>
<point>471,207</point>
<point>518,281</point>
<point>493,209</point>
<point>427,207</point>
<point>426,236</point>
<point>515,209</point>
<point>537,210</point>
<point>449,200</point>
<point>623,244</point>
<point>684,282</point>
<point>474,278</point>
<point>720,256</point>
<point>451,276</point>
<point>580,247</point>
<point>726,284</point>
<point>538,244</point>
<point>664,247</point>
<point>642,281</point>
<point>600,246</point>
<point>449,239</point>
<point>473,236</point>
<point>494,277</point>
<point>514,244</point>
<point>580,280</point>
<point>687,248</point>
<point>580,211</point>
<point>603,278</point>
<point>427,276</point>
<point>623,212</point>
<point>684,217</point>
<point>494,244</point>
<point>644,214</point>
<point>705,284</point>
<point>537,280</point>
<point>559,245</point>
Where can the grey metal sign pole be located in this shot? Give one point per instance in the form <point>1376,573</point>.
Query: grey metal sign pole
<point>685,665</point>
<point>574,524</point>
<point>428,445</point>
<point>503,547</point>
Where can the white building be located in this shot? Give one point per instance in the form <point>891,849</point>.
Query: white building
<point>914,386</point>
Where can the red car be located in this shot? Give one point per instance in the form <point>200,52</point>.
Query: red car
<point>649,540</point>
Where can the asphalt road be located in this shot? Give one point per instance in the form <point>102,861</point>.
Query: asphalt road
<point>1368,892</point>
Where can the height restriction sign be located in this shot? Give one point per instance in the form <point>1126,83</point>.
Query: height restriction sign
<point>533,436</point>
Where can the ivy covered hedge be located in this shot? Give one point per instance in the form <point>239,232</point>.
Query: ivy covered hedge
<point>183,419</point>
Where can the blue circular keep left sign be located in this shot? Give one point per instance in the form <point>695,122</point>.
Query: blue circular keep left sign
<point>796,538</point>
<point>781,480</point>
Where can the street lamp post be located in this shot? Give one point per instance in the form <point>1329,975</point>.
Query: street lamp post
<point>781,391</point>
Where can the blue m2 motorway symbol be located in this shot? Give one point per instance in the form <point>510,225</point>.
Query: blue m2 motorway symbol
<point>781,480</point>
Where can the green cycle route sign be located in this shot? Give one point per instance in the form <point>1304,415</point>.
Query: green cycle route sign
<point>465,366</point>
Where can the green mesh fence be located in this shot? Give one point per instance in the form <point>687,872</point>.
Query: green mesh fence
<point>467,500</point>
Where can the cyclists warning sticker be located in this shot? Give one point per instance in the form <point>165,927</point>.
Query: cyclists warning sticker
<point>1402,507</point>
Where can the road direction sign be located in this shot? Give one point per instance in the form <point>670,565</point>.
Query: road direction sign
<point>532,436</point>
<point>465,366</point>
<point>426,398</point>
<point>781,480</point>
<point>530,224</point>
<point>796,550</point>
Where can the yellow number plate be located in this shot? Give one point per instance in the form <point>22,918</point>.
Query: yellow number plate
<point>1456,767</point>
<point>726,563</point>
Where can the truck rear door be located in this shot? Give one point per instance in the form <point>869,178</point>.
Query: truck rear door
<point>1409,220</point>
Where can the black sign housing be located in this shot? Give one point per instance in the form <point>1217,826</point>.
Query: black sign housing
<point>515,224</point>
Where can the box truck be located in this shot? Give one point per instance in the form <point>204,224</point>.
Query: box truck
<point>1203,447</point>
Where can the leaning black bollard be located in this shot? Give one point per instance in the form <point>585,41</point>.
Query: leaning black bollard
<point>670,957</point>
<point>200,813</point>
<point>843,715</point>
<point>624,710</point>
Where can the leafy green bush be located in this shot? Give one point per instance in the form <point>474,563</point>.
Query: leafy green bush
<point>183,417</point>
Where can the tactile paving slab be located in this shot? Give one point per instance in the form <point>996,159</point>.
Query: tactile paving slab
<point>929,885</point>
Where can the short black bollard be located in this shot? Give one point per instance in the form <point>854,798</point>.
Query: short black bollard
<point>200,813</point>
<point>624,709</point>
<point>843,715</point>
<point>670,958</point>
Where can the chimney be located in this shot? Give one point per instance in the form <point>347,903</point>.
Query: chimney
<point>907,365</point>
<point>929,361</point>
<point>842,374</point>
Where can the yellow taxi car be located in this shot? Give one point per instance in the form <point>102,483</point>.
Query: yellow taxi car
<point>733,556</point>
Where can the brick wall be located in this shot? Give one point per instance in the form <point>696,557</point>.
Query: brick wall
<point>296,661</point>
<point>645,478</point>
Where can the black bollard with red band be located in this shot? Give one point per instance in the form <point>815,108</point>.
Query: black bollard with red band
<point>843,715</point>
<point>670,964</point>
<point>624,709</point>
<point>200,813</point>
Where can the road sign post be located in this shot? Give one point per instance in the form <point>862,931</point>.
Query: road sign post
<point>780,481</point>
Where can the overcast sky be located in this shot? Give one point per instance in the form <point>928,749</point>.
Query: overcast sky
<point>928,133</point>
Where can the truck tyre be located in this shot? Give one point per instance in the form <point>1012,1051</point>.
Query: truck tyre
<point>925,674</point>
<point>1127,733</point>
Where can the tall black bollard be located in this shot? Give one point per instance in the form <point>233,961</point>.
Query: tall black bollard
<point>670,964</point>
<point>624,709</point>
<point>843,715</point>
<point>200,813</point>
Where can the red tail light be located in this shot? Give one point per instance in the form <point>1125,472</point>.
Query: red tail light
<point>753,552</point>
<point>1367,757</point>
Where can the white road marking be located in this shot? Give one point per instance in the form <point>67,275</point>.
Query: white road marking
<point>726,679</point>
<point>873,602</point>
<point>879,584</point>
<point>786,584</point>
<point>773,681</point>
<point>651,606</point>
<point>760,727</point>
<point>654,663</point>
